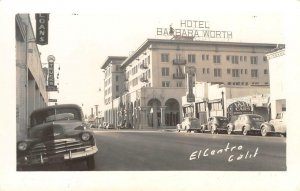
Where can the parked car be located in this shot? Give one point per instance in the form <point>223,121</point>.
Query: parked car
<point>56,134</point>
<point>189,124</point>
<point>245,124</point>
<point>215,124</point>
<point>277,125</point>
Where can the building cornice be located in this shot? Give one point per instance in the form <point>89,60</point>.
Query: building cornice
<point>148,42</point>
<point>276,53</point>
<point>110,59</point>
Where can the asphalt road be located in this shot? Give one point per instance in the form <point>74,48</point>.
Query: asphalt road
<point>172,151</point>
<point>128,150</point>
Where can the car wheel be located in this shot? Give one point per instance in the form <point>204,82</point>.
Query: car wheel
<point>229,130</point>
<point>264,131</point>
<point>212,130</point>
<point>90,161</point>
<point>245,132</point>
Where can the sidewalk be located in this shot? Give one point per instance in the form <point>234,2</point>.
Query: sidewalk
<point>167,129</point>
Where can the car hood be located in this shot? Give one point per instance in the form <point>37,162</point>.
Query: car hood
<point>56,130</point>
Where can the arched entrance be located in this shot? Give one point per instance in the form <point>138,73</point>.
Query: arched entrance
<point>154,114</point>
<point>172,112</point>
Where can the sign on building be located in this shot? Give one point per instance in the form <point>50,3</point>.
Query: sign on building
<point>190,72</point>
<point>51,80</point>
<point>42,28</point>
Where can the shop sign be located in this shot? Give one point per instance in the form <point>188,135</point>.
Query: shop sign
<point>190,71</point>
<point>51,80</point>
<point>42,28</point>
<point>238,108</point>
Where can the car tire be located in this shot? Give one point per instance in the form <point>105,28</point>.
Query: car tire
<point>245,132</point>
<point>212,130</point>
<point>229,130</point>
<point>264,131</point>
<point>90,161</point>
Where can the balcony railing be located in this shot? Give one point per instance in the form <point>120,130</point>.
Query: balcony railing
<point>143,79</point>
<point>178,76</point>
<point>179,61</point>
<point>143,66</point>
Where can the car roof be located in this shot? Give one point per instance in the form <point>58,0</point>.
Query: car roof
<point>56,106</point>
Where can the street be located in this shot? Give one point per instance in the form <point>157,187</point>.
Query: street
<point>132,150</point>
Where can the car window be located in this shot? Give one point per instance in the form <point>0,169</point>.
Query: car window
<point>61,116</point>
<point>54,114</point>
<point>257,118</point>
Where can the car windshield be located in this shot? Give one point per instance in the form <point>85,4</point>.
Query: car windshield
<point>256,118</point>
<point>54,114</point>
<point>222,119</point>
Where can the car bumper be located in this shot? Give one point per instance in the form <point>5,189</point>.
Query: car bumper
<point>57,158</point>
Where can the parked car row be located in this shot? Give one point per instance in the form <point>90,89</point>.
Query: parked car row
<point>242,124</point>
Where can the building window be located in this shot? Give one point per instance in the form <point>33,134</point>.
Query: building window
<point>203,70</point>
<point>117,88</point>
<point>229,83</point>
<point>191,58</point>
<point>241,58</point>
<point>254,73</point>
<point>117,78</point>
<point>234,59</point>
<point>266,71</point>
<point>246,84</point>
<point>228,58</point>
<point>164,57</point>
<point>265,59</point>
<point>246,71</point>
<point>217,59</point>
<point>228,71</point>
<point>207,57</point>
<point>235,73</point>
<point>203,57</point>
<point>242,71</point>
<point>165,71</point>
<point>179,83</point>
<point>245,58</point>
<point>253,59</point>
<point>165,84</point>
<point>217,72</point>
<point>207,70</point>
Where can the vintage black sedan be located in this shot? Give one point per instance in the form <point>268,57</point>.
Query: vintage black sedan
<point>56,134</point>
<point>246,123</point>
<point>215,124</point>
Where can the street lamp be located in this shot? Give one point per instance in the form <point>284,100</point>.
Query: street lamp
<point>223,103</point>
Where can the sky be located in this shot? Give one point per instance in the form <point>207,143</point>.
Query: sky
<point>81,42</point>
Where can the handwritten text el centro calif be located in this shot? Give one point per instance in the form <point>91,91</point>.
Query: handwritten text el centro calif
<point>242,154</point>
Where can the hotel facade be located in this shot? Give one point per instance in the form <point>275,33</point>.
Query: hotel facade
<point>155,79</point>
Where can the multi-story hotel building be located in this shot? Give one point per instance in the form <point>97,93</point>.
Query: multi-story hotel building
<point>113,85</point>
<point>155,78</point>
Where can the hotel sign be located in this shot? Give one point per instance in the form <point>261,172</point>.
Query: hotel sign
<point>42,28</point>
<point>195,29</point>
